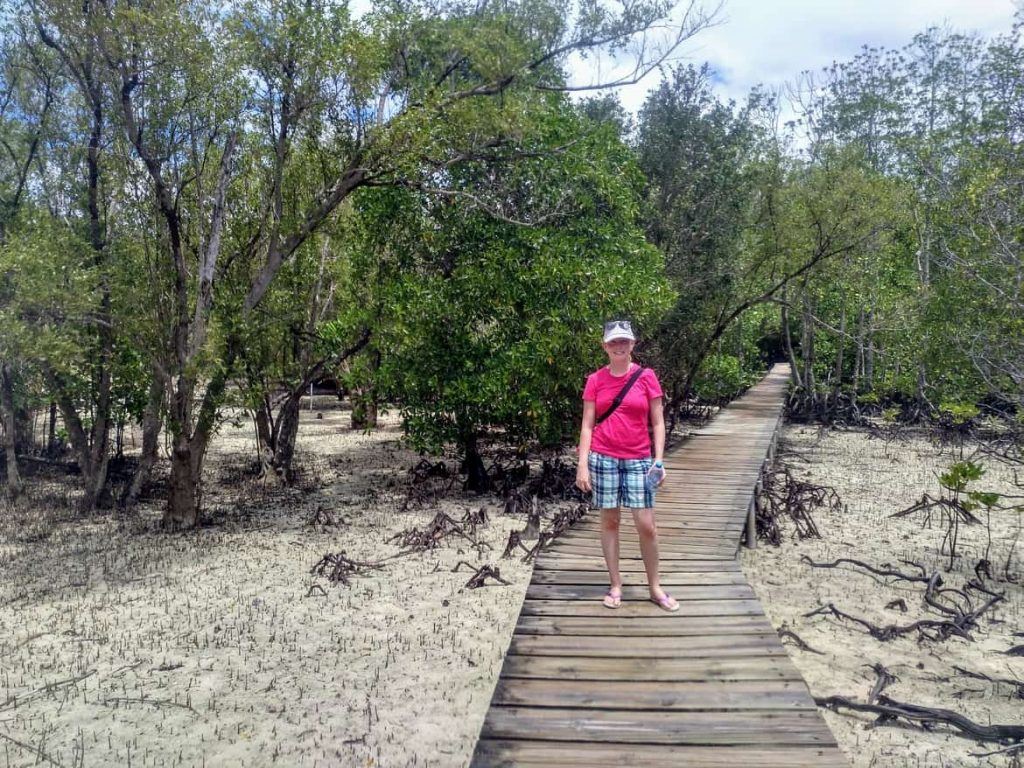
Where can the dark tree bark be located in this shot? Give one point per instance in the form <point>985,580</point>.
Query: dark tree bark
<point>51,437</point>
<point>151,422</point>
<point>14,486</point>
<point>473,464</point>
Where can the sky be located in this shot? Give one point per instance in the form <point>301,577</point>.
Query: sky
<point>773,41</point>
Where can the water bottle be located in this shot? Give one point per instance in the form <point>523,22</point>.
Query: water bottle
<point>654,476</point>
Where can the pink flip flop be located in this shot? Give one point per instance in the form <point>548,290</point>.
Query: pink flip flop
<point>666,603</point>
<point>612,600</point>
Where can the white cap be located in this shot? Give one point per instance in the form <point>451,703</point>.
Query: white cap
<point>618,329</point>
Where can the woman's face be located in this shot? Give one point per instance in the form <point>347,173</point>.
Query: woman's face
<point>618,349</point>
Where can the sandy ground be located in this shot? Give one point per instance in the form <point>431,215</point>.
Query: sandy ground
<point>875,479</point>
<point>121,645</point>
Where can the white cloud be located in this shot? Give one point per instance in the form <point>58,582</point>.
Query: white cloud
<point>773,41</point>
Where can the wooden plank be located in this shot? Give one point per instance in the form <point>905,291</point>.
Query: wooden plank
<point>779,728</point>
<point>549,561</point>
<point>625,647</point>
<point>687,608</point>
<point>603,694</point>
<point>668,670</point>
<point>640,627</point>
<point>674,579</point>
<point>497,753</point>
<point>632,593</point>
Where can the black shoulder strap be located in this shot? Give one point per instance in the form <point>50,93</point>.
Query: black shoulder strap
<point>621,396</point>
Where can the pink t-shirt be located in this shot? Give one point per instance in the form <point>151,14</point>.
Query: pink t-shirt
<point>623,435</point>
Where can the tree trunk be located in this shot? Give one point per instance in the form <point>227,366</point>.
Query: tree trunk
<point>52,449</point>
<point>869,353</point>
<point>807,344</point>
<point>787,337</point>
<point>90,448</point>
<point>858,363</point>
<point>151,423</point>
<point>364,399</point>
<point>286,432</point>
<point>7,409</point>
<point>184,499</point>
<point>840,347</point>
<point>473,465</point>
<point>189,445</point>
<point>364,409</point>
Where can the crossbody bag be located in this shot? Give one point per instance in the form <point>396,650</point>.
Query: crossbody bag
<point>621,396</point>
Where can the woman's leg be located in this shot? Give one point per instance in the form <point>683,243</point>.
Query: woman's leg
<point>610,545</point>
<point>647,532</point>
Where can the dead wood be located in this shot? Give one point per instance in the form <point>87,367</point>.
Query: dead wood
<point>1017,686</point>
<point>481,574</point>
<point>890,711</point>
<point>789,634</point>
<point>323,519</point>
<point>440,528</point>
<point>781,495</point>
<point>515,541</point>
<point>883,679</point>
<point>884,570</point>
<point>337,568</point>
<point>561,522</point>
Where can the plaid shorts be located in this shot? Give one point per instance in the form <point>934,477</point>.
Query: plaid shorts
<point>619,482</point>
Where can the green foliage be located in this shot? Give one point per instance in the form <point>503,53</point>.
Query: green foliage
<point>959,413</point>
<point>491,325</point>
<point>721,378</point>
<point>960,474</point>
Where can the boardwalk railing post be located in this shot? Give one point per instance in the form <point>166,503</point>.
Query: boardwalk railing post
<point>751,541</point>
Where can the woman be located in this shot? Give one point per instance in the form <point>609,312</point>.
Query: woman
<point>615,455</point>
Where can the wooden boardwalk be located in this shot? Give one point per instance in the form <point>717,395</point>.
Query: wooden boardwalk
<point>709,685</point>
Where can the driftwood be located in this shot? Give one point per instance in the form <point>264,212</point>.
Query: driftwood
<point>890,711</point>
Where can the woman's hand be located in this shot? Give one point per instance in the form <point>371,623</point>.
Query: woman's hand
<point>583,478</point>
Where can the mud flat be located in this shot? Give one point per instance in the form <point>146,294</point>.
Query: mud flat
<point>876,478</point>
<point>123,645</point>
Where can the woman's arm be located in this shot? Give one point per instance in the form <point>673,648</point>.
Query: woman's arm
<point>586,435</point>
<point>658,426</point>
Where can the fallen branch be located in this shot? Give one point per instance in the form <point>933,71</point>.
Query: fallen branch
<point>890,710</point>
<point>884,571</point>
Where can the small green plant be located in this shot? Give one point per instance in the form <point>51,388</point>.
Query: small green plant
<point>959,413</point>
<point>868,398</point>
<point>958,504</point>
<point>891,415</point>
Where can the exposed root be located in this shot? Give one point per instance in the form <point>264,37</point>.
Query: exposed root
<point>481,574</point>
<point>892,712</point>
<point>337,568</point>
<point>782,495</point>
